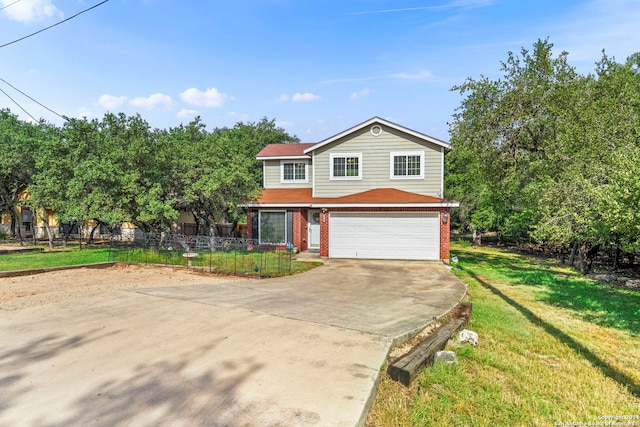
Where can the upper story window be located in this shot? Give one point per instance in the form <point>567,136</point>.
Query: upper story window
<point>346,166</point>
<point>293,171</point>
<point>407,165</point>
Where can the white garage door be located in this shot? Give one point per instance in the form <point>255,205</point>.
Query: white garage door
<point>384,235</point>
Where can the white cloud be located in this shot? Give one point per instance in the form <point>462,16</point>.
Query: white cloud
<point>187,114</point>
<point>31,11</point>
<point>209,98</point>
<point>361,93</point>
<point>420,75</point>
<point>296,97</point>
<point>111,102</point>
<point>84,113</point>
<point>152,101</point>
<point>281,99</point>
<point>467,4</point>
<point>304,97</point>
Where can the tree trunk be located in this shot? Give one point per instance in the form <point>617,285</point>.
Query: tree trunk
<point>234,229</point>
<point>47,227</point>
<point>616,258</point>
<point>477,238</point>
<point>93,230</point>
<point>572,256</point>
<point>582,258</point>
<point>16,226</point>
<point>591,254</point>
<point>585,257</point>
<point>199,222</point>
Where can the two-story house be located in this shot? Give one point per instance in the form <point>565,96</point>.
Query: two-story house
<point>373,191</point>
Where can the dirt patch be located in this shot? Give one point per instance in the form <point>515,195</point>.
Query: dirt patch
<point>31,291</point>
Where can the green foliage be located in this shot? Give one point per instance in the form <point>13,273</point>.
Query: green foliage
<point>19,141</point>
<point>217,171</point>
<point>118,169</point>
<point>549,154</point>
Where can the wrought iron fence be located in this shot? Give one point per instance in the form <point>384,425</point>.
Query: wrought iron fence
<point>222,255</point>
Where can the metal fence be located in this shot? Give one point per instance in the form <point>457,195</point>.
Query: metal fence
<point>222,255</point>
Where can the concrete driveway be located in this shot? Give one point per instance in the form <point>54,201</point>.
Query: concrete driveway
<point>297,351</point>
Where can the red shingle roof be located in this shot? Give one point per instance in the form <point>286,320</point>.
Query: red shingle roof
<point>284,150</point>
<point>377,196</point>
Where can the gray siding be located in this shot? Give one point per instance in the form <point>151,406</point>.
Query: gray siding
<point>272,176</point>
<point>376,171</point>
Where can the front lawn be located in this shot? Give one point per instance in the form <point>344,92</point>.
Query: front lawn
<point>253,263</point>
<point>554,347</point>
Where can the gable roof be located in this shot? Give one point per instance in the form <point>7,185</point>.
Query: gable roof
<point>384,122</point>
<point>284,151</point>
<point>378,197</point>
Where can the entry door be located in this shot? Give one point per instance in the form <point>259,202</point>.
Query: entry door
<point>314,228</point>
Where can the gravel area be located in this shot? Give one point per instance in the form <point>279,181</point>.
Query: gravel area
<point>67,285</point>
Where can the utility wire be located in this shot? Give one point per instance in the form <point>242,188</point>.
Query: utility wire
<point>10,4</point>
<point>57,23</point>
<point>21,107</point>
<point>39,103</point>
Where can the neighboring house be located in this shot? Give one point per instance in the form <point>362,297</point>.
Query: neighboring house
<point>373,191</point>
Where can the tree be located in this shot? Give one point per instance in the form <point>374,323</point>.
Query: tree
<point>216,172</point>
<point>110,171</point>
<point>19,141</point>
<point>549,154</point>
<point>501,135</point>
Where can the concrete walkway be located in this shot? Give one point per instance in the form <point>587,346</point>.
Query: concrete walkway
<point>297,351</point>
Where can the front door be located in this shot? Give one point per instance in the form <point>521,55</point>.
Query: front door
<point>314,228</point>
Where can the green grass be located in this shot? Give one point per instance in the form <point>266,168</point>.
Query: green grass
<point>235,262</point>
<point>31,260</point>
<point>553,347</point>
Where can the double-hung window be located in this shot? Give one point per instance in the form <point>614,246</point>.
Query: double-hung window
<point>293,171</point>
<point>407,165</point>
<point>346,166</point>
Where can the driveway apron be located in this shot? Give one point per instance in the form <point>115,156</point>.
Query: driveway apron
<point>304,350</point>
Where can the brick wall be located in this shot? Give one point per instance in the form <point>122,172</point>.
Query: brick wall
<point>445,234</point>
<point>324,233</point>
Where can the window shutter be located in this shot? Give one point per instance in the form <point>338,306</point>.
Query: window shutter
<point>254,225</point>
<point>289,226</point>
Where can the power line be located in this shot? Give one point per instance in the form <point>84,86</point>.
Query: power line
<point>21,107</point>
<point>39,103</point>
<point>10,4</point>
<point>51,26</point>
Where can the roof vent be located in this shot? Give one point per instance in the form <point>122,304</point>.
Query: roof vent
<point>376,130</point>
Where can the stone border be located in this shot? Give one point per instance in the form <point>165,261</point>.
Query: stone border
<point>17,273</point>
<point>19,250</point>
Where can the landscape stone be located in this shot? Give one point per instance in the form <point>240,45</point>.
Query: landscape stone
<point>445,357</point>
<point>468,336</point>
<point>632,283</point>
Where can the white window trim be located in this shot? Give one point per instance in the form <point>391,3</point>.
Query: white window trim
<point>345,178</point>
<point>286,238</point>
<point>293,181</point>
<point>406,153</point>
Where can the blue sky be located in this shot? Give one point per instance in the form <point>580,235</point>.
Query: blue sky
<point>317,67</point>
